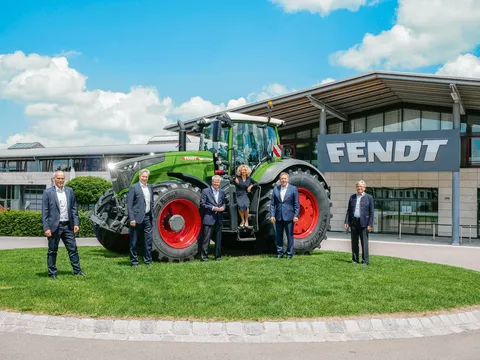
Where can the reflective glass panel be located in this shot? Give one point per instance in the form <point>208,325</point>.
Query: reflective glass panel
<point>411,120</point>
<point>447,121</point>
<point>393,121</point>
<point>430,120</point>
<point>375,123</point>
<point>357,125</point>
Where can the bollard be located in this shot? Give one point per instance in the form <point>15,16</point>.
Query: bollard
<point>470,235</point>
<point>461,235</point>
<point>433,228</point>
<point>400,231</point>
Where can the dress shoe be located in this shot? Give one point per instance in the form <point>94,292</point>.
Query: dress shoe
<point>279,256</point>
<point>53,277</point>
<point>354,262</point>
<point>205,259</point>
<point>81,273</point>
<point>289,257</point>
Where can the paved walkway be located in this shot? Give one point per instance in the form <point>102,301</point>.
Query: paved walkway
<point>318,330</point>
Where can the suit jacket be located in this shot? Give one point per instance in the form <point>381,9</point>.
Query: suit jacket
<point>136,203</point>
<point>51,209</point>
<point>366,210</point>
<point>287,209</point>
<point>207,202</point>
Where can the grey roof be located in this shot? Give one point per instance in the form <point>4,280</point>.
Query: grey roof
<point>32,145</point>
<point>362,93</point>
<point>82,151</point>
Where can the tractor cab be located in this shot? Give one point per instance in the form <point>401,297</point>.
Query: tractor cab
<point>237,139</point>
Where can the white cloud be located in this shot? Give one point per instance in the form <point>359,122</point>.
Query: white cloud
<point>326,81</point>
<point>467,65</point>
<point>68,54</point>
<point>62,111</point>
<point>427,32</point>
<point>322,7</point>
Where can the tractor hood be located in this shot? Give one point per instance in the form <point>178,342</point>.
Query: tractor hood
<point>122,173</point>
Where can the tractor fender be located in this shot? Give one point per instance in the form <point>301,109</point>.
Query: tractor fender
<point>273,171</point>
<point>189,179</point>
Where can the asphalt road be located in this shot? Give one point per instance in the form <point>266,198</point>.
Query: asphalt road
<point>465,346</point>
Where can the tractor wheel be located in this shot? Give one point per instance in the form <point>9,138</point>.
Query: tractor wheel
<point>315,213</point>
<point>119,243</point>
<point>177,222</point>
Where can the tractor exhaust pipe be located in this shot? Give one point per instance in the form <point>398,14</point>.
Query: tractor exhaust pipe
<point>182,136</point>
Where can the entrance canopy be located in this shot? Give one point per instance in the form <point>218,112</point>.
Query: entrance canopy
<point>362,93</point>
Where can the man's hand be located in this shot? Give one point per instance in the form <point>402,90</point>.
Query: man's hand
<point>219,209</point>
<point>370,228</point>
<point>295,219</point>
<point>133,223</point>
<point>76,228</point>
<point>48,233</point>
<point>272,220</point>
<point>345,226</point>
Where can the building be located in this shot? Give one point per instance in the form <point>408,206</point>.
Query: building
<point>393,103</point>
<point>26,169</point>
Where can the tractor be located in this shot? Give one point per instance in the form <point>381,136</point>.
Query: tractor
<point>226,142</point>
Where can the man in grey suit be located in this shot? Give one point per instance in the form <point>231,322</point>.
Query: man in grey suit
<point>212,206</point>
<point>284,213</point>
<point>140,213</point>
<point>60,221</point>
<point>360,218</point>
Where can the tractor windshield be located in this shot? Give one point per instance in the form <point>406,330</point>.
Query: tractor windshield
<point>253,142</point>
<point>221,145</point>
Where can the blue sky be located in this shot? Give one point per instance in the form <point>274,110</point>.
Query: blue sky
<point>213,51</point>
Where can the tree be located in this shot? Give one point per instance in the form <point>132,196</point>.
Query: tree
<point>88,189</point>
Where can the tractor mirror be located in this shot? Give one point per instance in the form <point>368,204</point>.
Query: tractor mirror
<point>288,151</point>
<point>217,130</point>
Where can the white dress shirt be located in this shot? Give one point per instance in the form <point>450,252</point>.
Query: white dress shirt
<point>62,200</point>
<point>216,194</point>
<point>356,213</point>
<point>146,195</point>
<point>283,191</point>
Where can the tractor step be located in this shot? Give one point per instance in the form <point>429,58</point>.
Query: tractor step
<point>246,234</point>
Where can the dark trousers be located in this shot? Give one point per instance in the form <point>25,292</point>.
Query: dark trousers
<point>280,227</point>
<point>210,232</point>
<point>139,232</point>
<point>359,232</point>
<point>68,237</point>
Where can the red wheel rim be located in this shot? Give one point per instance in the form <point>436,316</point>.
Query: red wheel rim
<point>309,213</point>
<point>191,229</point>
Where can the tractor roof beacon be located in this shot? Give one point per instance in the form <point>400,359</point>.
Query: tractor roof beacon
<point>226,141</point>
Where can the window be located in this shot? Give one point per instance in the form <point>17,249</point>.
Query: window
<point>375,123</point>
<point>411,120</point>
<point>473,123</point>
<point>393,121</point>
<point>336,128</point>
<point>253,142</point>
<point>430,120</point>
<point>447,121</point>
<point>32,197</point>
<point>357,125</point>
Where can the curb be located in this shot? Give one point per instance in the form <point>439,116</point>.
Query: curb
<point>241,332</point>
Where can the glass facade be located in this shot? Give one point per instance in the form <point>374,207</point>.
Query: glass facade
<point>416,209</point>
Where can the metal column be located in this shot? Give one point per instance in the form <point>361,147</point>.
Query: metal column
<point>323,122</point>
<point>456,184</point>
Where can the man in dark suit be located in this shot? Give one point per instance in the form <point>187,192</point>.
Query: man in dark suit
<point>360,218</point>
<point>212,206</point>
<point>60,221</point>
<point>140,213</point>
<point>284,212</point>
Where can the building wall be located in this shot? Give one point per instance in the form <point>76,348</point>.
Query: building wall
<point>42,178</point>
<point>342,185</point>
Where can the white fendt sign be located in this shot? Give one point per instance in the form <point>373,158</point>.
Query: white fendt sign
<point>396,151</point>
<point>437,150</point>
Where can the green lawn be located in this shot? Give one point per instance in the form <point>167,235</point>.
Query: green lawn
<point>237,288</point>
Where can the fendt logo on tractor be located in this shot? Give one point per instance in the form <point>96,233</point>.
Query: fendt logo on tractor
<point>225,142</point>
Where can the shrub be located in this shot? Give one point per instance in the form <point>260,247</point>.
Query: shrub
<point>88,189</point>
<point>29,223</point>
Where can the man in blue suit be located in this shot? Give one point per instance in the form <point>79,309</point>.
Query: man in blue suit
<point>140,213</point>
<point>360,218</point>
<point>284,212</point>
<point>60,221</point>
<point>212,206</point>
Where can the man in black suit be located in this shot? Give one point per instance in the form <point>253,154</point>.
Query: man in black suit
<point>360,218</point>
<point>212,206</point>
<point>140,213</point>
<point>284,213</point>
<point>60,221</point>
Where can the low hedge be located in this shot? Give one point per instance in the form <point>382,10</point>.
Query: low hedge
<point>29,223</point>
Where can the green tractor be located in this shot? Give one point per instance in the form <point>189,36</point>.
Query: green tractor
<point>226,142</point>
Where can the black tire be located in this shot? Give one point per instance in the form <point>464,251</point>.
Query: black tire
<point>164,193</point>
<point>301,178</point>
<point>113,241</point>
